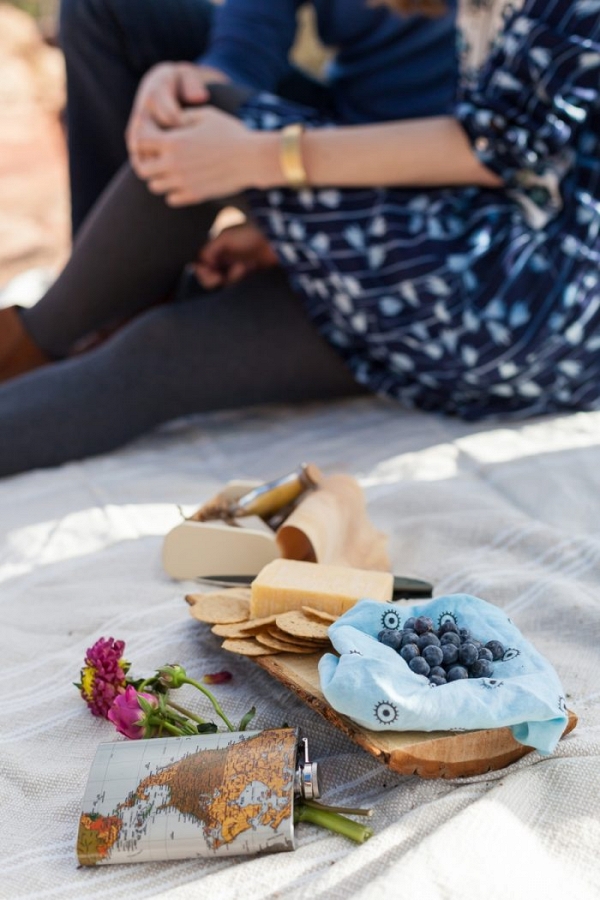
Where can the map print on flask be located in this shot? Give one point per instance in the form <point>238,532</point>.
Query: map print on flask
<point>227,794</point>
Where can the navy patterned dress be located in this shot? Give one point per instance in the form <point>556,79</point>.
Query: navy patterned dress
<point>471,301</point>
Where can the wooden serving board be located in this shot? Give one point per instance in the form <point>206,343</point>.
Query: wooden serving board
<point>431,754</point>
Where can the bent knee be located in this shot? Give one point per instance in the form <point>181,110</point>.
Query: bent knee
<point>153,336</point>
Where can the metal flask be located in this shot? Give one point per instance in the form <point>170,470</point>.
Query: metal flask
<point>211,795</point>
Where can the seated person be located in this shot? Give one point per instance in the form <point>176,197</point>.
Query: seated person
<point>448,262</point>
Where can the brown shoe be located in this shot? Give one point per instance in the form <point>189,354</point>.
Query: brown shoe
<point>18,352</point>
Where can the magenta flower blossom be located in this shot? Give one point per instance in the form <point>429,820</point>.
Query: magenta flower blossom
<point>127,714</point>
<point>110,693</point>
<point>103,675</point>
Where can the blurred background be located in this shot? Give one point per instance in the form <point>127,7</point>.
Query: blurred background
<point>34,201</point>
<point>34,216</point>
<point>43,11</point>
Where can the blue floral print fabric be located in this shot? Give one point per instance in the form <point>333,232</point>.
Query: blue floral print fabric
<point>475,302</point>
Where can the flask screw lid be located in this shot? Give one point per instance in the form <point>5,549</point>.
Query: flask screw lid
<point>306,782</point>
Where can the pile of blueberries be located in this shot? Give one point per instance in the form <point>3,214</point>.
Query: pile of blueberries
<point>446,654</point>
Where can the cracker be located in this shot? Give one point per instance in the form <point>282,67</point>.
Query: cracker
<point>221,607</point>
<point>229,630</point>
<point>242,629</point>
<point>247,647</point>
<point>298,625</point>
<point>283,646</point>
<point>311,613</point>
<point>289,639</point>
<point>254,625</point>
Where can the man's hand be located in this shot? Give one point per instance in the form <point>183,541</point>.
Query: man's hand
<point>210,155</point>
<point>162,95</point>
<point>232,255</point>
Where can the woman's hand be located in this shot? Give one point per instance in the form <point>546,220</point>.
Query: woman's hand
<point>212,154</point>
<point>164,92</point>
<point>232,255</point>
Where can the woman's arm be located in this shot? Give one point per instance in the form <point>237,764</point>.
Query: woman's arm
<point>215,155</point>
<point>413,153</point>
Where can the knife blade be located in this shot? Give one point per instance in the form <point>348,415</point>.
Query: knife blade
<point>403,589</point>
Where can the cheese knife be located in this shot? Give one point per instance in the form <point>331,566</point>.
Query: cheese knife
<point>403,589</point>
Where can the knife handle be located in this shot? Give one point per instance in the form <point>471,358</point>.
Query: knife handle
<point>268,498</point>
<point>411,589</point>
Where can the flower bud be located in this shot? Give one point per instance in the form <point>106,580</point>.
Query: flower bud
<point>173,676</point>
<point>131,712</point>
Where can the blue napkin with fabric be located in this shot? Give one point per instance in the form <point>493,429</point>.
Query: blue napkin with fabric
<point>371,683</point>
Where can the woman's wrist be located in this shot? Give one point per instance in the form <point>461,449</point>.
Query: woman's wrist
<point>265,160</point>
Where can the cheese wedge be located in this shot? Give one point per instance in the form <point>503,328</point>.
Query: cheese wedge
<point>286,584</point>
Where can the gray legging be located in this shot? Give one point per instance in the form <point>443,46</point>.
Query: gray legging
<point>246,344</point>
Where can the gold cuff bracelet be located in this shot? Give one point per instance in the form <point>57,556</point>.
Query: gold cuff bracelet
<point>290,156</point>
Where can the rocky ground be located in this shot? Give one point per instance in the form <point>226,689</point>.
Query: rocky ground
<point>34,215</point>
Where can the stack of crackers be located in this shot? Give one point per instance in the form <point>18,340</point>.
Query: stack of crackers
<point>303,630</point>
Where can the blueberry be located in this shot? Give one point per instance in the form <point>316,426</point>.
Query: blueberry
<point>468,653</point>
<point>427,640</point>
<point>450,638</point>
<point>423,624</point>
<point>445,654</point>
<point>449,654</point>
<point>409,637</point>
<point>437,671</point>
<point>456,672</point>
<point>481,668</point>
<point>419,666</point>
<point>409,651</point>
<point>433,655</point>
<point>496,648</point>
<point>390,638</point>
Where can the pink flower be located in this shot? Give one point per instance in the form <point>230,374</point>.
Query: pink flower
<point>127,714</point>
<point>103,675</point>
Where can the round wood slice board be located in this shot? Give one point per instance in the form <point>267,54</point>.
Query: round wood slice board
<point>429,754</point>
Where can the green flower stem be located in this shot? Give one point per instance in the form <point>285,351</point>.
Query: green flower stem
<point>212,699</point>
<point>247,719</point>
<point>333,822</point>
<point>186,712</point>
<point>185,724</point>
<point>339,809</point>
<point>171,728</point>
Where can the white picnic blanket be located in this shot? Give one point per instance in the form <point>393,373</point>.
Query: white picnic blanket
<point>507,513</point>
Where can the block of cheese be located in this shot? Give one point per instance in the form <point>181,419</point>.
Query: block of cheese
<point>286,584</point>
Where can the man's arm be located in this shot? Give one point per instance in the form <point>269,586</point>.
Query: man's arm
<point>251,39</point>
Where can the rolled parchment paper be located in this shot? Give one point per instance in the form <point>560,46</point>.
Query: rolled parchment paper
<point>330,525</point>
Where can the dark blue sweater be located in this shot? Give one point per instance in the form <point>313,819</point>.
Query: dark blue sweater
<point>386,66</point>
